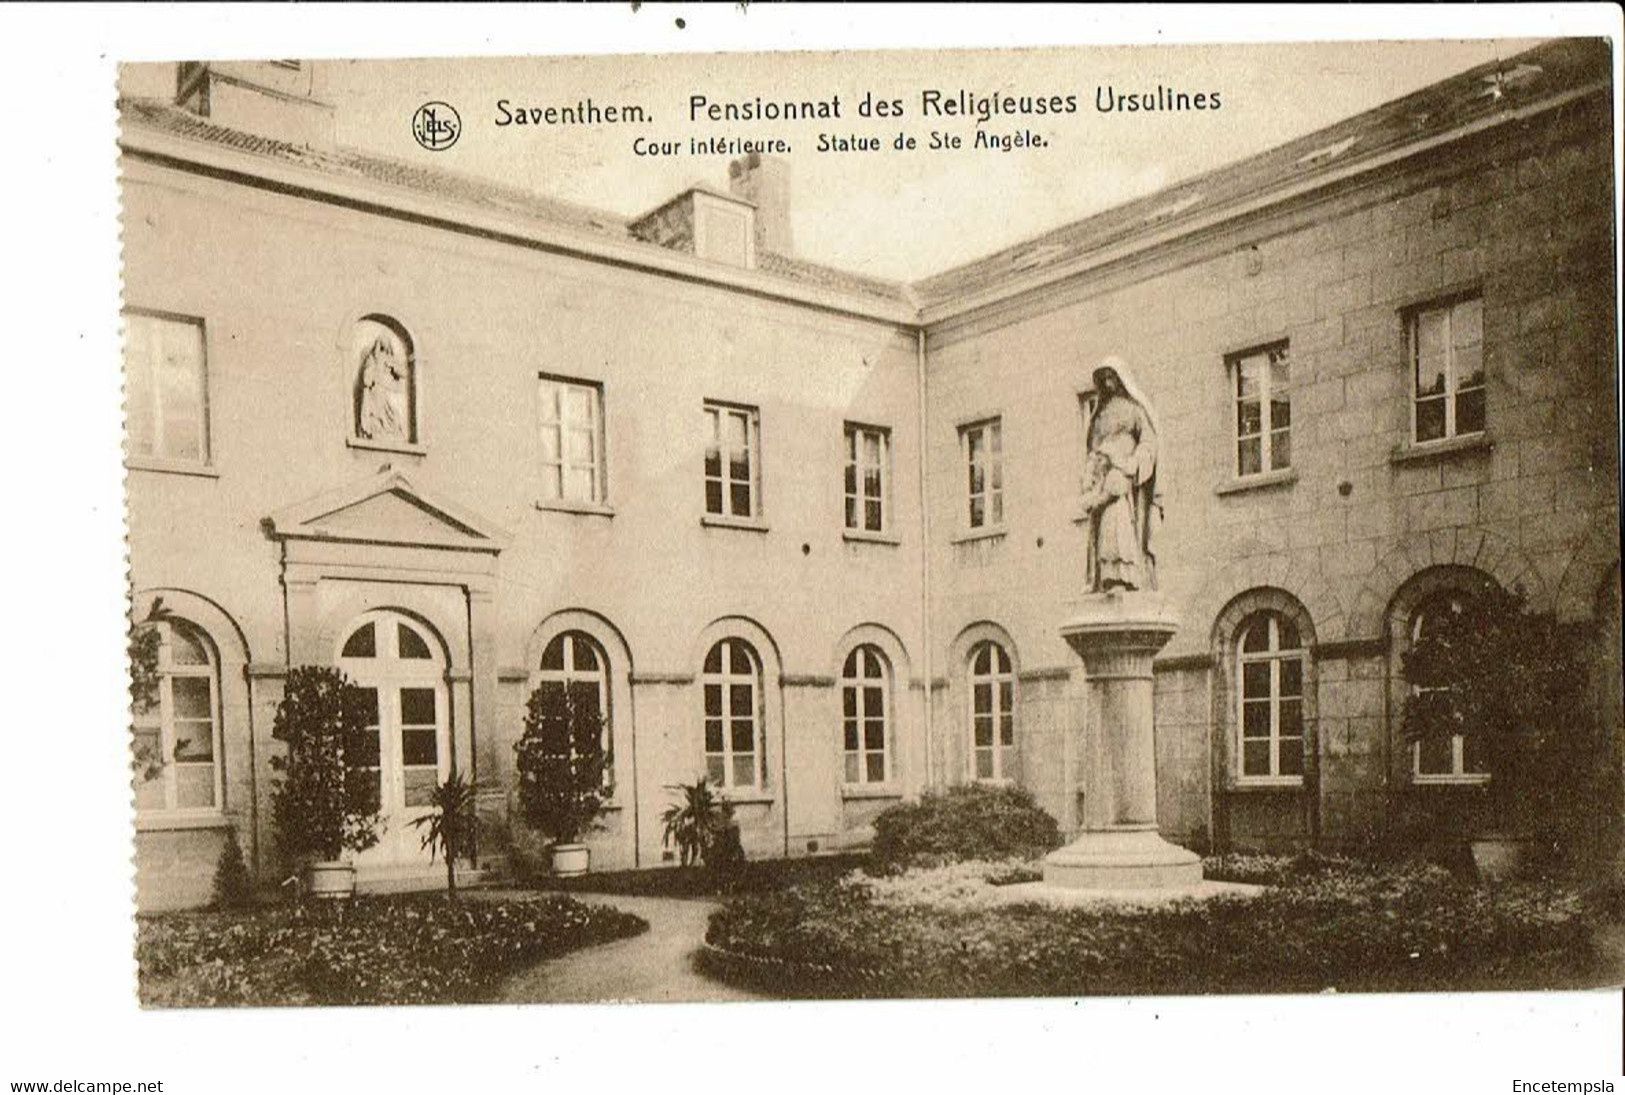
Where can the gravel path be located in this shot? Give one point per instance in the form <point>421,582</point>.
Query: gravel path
<point>656,967</point>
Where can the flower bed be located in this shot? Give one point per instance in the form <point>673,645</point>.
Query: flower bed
<point>419,949</point>
<point>931,933</point>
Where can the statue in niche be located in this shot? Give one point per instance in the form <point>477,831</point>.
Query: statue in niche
<point>1120,483</point>
<point>383,413</point>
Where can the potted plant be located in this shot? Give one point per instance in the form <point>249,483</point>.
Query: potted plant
<point>1510,682</point>
<point>326,803</point>
<point>563,768</point>
<point>450,826</point>
<point>702,825</point>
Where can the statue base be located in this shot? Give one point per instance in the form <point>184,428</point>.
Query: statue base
<point>1130,857</point>
<point>1116,635</point>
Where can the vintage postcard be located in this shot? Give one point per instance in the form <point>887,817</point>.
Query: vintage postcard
<point>1054,522</point>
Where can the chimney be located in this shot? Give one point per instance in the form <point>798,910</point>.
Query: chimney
<point>764,181</point>
<point>275,99</point>
<point>702,222</point>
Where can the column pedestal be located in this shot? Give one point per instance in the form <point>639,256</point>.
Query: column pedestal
<point>1117,635</point>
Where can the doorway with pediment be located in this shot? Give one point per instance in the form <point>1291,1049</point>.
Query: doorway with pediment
<point>393,585</point>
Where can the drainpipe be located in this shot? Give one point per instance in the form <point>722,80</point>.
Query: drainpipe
<point>925,570</point>
<point>473,724</point>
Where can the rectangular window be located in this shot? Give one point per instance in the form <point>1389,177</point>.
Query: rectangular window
<point>572,427</point>
<point>983,446</point>
<point>1261,381</point>
<point>167,409</point>
<point>732,461</point>
<point>1446,348</point>
<point>868,474</point>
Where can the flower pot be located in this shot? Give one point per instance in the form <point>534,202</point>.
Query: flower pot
<point>1499,858</point>
<point>570,860</point>
<point>330,880</point>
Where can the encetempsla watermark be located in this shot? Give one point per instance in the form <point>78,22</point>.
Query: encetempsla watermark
<point>91,1087</point>
<point>1579,1087</point>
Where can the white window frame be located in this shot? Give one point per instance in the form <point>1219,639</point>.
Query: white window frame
<point>161,717</point>
<point>386,672</point>
<point>990,431</point>
<point>854,436</point>
<point>139,326</point>
<point>716,413</point>
<point>856,683</point>
<point>1413,326</point>
<point>571,675</point>
<point>725,680</point>
<point>552,401</point>
<point>1274,655</point>
<point>1265,396</point>
<point>1458,774</point>
<point>996,679</point>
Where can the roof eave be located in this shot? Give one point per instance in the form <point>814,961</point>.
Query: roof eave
<point>140,140</point>
<point>957,306</point>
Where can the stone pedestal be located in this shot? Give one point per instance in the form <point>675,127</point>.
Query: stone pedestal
<point>1117,635</point>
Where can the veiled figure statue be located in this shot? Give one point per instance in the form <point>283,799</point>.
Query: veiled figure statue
<point>1120,482</point>
<point>383,411</point>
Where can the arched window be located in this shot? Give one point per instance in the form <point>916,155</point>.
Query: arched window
<point>385,383</point>
<point>1270,659</point>
<point>1457,759</point>
<point>993,721</point>
<point>177,726</point>
<point>865,704</point>
<point>733,715</point>
<point>574,668</point>
<point>406,750</point>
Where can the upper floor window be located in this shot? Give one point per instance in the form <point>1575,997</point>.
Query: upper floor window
<point>865,688</point>
<point>732,681</point>
<point>733,461</point>
<point>384,391</point>
<point>1458,758</point>
<point>1270,660</point>
<point>168,393</point>
<point>982,448</point>
<point>1446,349</point>
<point>993,717</point>
<point>1262,384</point>
<point>177,729</point>
<point>868,476</point>
<point>572,428</point>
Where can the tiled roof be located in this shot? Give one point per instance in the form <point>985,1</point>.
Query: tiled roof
<point>468,191</point>
<point>1538,73</point>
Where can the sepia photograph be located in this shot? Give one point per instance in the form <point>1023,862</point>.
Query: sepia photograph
<point>647,546</point>
<point>1058,522</point>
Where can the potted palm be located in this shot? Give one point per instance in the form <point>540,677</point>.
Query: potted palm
<point>701,823</point>
<point>450,826</point>
<point>326,803</point>
<point>563,773</point>
<point>1509,682</point>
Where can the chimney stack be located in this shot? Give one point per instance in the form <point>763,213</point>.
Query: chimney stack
<point>764,181</point>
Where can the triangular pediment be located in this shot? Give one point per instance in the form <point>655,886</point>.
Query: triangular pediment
<point>387,509</point>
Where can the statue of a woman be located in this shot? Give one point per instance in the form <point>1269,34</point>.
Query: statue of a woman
<point>383,414</point>
<point>1120,482</point>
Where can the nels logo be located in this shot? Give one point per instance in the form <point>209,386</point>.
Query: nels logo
<point>436,126</point>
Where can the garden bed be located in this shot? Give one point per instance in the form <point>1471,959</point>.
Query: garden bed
<point>414,949</point>
<point>754,877</point>
<point>1331,925</point>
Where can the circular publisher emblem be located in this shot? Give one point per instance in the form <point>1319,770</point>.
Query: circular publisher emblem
<point>437,126</point>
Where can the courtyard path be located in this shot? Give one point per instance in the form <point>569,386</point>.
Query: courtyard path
<point>656,967</point>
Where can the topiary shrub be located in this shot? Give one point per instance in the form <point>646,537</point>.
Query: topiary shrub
<point>969,822</point>
<point>327,800</point>
<point>233,885</point>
